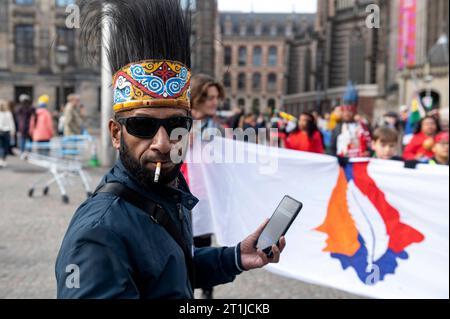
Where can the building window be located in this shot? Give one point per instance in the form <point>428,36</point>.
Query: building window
<point>356,62</point>
<point>272,104</point>
<point>67,37</point>
<point>256,81</point>
<point>281,30</point>
<point>241,103</point>
<point>307,72</point>
<point>242,56</point>
<point>227,104</point>
<point>273,56</point>
<point>257,56</point>
<point>236,29</point>
<point>227,56</point>
<point>67,91</point>
<point>345,4</point>
<point>272,82</point>
<point>64,3</point>
<point>24,44</point>
<point>24,2</point>
<point>227,80</point>
<point>241,81</point>
<point>255,106</point>
<point>250,29</point>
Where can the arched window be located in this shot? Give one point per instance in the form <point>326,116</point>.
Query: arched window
<point>273,56</point>
<point>255,105</point>
<point>241,81</point>
<point>257,56</point>
<point>272,82</point>
<point>256,81</point>
<point>242,56</point>
<point>271,103</point>
<point>241,103</point>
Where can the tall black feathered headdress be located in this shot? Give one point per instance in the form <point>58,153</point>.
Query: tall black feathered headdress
<point>148,49</point>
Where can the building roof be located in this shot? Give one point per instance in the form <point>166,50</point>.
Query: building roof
<point>300,21</point>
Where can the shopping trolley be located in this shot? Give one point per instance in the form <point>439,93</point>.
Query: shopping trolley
<point>63,158</point>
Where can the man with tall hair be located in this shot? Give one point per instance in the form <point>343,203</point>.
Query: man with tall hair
<point>133,237</point>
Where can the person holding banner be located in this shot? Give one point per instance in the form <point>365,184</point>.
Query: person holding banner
<point>421,145</point>
<point>440,150</point>
<point>307,137</point>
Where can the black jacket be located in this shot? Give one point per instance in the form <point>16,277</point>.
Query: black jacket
<point>121,253</point>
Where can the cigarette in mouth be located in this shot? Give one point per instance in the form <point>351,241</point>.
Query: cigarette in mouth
<point>157,172</point>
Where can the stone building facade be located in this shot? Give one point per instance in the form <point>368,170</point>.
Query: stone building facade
<point>342,48</point>
<point>30,31</point>
<point>253,59</point>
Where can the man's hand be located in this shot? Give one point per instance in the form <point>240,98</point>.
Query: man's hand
<point>252,258</point>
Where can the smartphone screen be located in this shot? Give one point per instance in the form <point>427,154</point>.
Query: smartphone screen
<point>279,223</point>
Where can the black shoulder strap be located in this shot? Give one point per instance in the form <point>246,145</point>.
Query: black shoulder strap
<point>158,215</point>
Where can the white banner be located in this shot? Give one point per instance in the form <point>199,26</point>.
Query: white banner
<point>373,228</point>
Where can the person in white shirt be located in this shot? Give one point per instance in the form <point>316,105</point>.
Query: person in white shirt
<point>7,131</point>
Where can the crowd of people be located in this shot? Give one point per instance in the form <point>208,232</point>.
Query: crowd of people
<point>345,133</point>
<point>27,122</point>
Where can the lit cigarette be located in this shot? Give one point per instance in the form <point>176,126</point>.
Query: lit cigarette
<point>157,172</point>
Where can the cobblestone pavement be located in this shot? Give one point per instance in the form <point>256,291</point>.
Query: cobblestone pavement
<point>31,230</point>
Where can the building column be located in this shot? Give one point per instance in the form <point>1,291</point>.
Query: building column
<point>4,17</point>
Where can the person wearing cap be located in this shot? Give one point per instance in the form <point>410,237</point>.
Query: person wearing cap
<point>41,123</point>
<point>350,138</point>
<point>133,238</point>
<point>23,116</point>
<point>440,150</point>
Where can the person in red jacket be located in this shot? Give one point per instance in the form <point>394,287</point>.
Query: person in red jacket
<point>307,138</point>
<point>421,145</point>
<point>41,124</point>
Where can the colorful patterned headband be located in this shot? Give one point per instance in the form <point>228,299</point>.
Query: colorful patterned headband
<point>152,83</point>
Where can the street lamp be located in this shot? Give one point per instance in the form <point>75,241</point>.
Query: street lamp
<point>62,60</point>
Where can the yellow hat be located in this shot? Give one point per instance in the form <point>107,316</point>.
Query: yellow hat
<point>43,99</point>
<point>287,117</point>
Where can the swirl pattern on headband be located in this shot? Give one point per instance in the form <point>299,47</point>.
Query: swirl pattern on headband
<point>152,80</point>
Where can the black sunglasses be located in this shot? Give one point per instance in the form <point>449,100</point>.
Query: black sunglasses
<point>147,127</point>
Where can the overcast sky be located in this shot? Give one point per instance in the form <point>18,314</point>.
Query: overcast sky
<point>308,6</point>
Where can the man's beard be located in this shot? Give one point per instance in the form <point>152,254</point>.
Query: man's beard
<point>143,175</point>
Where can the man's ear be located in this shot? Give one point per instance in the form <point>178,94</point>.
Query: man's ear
<point>115,131</point>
